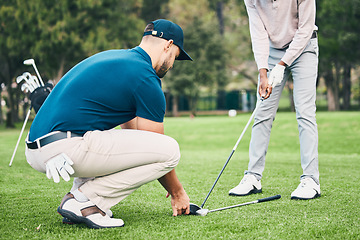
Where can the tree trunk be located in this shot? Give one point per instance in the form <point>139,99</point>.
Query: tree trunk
<point>220,16</point>
<point>332,91</point>
<point>16,106</point>
<point>331,99</point>
<point>192,103</point>
<point>10,104</point>
<point>1,113</point>
<point>175,103</point>
<point>10,100</point>
<point>346,87</point>
<point>60,72</point>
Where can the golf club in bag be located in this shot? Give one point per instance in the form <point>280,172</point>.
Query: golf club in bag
<point>193,207</point>
<point>31,84</point>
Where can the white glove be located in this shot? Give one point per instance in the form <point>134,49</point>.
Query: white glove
<point>59,165</point>
<point>276,75</point>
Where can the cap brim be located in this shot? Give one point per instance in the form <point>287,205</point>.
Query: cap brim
<point>183,56</point>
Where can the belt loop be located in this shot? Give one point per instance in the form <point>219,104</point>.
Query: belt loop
<point>38,143</point>
<point>68,134</point>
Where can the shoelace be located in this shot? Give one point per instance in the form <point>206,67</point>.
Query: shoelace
<point>244,180</point>
<point>304,182</point>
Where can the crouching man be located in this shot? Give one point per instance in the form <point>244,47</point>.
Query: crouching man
<point>73,132</point>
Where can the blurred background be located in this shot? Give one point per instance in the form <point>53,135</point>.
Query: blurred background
<point>58,34</point>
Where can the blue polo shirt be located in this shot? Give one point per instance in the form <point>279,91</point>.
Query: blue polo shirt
<point>102,92</point>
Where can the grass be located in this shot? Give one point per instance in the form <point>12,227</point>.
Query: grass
<point>28,200</point>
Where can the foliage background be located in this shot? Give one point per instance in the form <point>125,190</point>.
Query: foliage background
<point>59,34</point>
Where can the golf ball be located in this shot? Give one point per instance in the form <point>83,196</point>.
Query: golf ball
<point>232,113</point>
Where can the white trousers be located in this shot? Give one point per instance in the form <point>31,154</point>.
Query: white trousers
<point>110,165</point>
<point>304,73</point>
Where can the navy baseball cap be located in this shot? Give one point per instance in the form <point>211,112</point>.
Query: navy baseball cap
<point>170,31</point>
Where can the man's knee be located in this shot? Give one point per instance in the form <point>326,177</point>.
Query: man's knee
<point>173,152</point>
<point>306,112</point>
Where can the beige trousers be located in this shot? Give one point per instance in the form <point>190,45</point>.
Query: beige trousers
<point>112,163</point>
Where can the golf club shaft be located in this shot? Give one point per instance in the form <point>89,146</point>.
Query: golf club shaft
<point>18,141</point>
<point>248,203</point>
<point>37,72</point>
<point>248,123</point>
<point>233,150</point>
<point>217,179</point>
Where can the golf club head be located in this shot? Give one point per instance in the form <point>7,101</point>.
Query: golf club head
<point>25,88</point>
<point>19,79</point>
<point>194,208</point>
<point>202,212</point>
<point>29,61</point>
<point>31,80</point>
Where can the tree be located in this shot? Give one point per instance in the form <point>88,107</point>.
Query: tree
<point>16,35</point>
<point>74,30</point>
<point>339,32</point>
<point>152,10</point>
<point>206,47</point>
<point>58,34</point>
<point>218,7</point>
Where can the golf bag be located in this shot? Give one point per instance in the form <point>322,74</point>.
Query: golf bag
<point>38,96</point>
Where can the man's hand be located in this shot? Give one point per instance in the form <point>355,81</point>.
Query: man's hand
<point>276,75</point>
<point>59,165</point>
<point>264,88</point>
<point>180,204</point>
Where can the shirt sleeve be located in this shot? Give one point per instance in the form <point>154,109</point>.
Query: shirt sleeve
<point>259,36</point>
<point>150,100</point>
<point>306,12</point>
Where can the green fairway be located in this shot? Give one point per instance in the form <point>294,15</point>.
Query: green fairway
<point>28,200</point>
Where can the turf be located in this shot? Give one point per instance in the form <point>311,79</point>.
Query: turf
<point>28,200</point>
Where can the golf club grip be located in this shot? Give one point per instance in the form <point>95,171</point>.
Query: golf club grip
<point>269,198</point>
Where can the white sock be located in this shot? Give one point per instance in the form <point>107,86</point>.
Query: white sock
<point>79,196</point>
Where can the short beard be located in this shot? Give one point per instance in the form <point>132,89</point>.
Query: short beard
<point>163,70</point>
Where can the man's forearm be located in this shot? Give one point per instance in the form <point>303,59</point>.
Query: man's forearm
<point>263,73</point>
<point>171,183</point>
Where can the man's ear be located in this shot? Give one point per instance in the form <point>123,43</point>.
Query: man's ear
<point>168,44</point>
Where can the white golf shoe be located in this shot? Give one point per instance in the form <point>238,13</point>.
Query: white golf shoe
<point>307,189</point>
<point>248,185</point>
<point>67,221</point>
<point>86,212</point>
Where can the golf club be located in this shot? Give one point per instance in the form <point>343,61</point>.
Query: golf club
<point>32,62</point>
<point>18,141</point>
<point>28,88</point>
<point>196,210</point>
<point>22,77</point>
<point>31,82</point>
<point>25,88</point>
<point>233,150</point>
<point>33,79</point>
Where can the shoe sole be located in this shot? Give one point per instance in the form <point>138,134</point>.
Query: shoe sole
<point>67,221</point>
<point>299,198</point>
<point>254,191</point>
<point>72,217</point>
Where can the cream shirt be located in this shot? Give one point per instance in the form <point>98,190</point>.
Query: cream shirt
<point>280,24</point>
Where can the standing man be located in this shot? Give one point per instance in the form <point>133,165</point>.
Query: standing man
<point>73,132</point>
<point>284,41</point>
